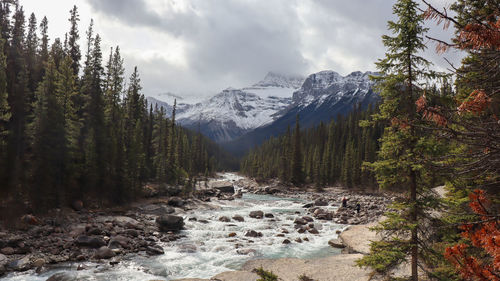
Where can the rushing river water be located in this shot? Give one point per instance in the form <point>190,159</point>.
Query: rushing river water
<point>207,250</point>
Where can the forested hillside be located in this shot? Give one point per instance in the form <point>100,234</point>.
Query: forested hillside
<point>72,131</point>
<point>325,155</point>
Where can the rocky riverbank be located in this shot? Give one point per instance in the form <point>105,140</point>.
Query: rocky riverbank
<point>82,235</point>
<point>107,237</point>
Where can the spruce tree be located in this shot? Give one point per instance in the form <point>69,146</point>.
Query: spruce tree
<point>404,145</point>
<point>297,175</point>
<point>74,36</point>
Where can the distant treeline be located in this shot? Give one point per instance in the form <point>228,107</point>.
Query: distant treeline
<point>325,155</point>
<point>69,132</point>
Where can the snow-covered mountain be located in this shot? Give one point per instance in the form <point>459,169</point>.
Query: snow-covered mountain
<point>234,112</point>
<point>322,97</point>
<point>243,118</point>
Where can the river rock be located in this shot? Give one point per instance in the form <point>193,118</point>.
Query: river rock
<point>22,264</point>
<point>307,219</point>
<point>87,241</point>
<point>176,201</point>
<point>62,276</point>
<point>232,234</point>
<point>286,241</point>
<point>269,215</point>
<point>7,251</point>
<point>187,248</point>
<point>245,251</point>
<point>308,205</point>
<point>154,250</point>
<point>170,223</point>
<point>131,232</point>
<point>256,214</point>
<point>253,233</point>
<point>155,209</point>
<point>321,202</point>
<point>336,243</point>
<point>300,221</point>
<point>238,218</point>
<point>224,219</point>
<point>223,186</point>
<point>313,231</point>
<point>3,263</point>
<point>38,262</point>
<point>118,242</point>
<point>104,253</point>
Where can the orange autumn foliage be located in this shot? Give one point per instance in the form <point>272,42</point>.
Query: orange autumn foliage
<point>483,235</point>
<point>481,35</point>
<point>476,103</point>
<point>430,113</point>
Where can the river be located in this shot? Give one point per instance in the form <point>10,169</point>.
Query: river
<point>207,248</point>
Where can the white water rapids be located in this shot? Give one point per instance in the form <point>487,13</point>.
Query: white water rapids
<point>207,250</point>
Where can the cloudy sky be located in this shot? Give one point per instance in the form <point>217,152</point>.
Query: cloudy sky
<point>196,48</point>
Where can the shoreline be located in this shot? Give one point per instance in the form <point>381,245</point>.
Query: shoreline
<point>78,236</point>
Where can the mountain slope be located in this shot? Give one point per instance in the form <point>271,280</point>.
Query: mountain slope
<point>322,97</point>
<point>235,112</point>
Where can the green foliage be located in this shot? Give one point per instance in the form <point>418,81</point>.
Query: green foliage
<point>404,159</point>
<point>265,275</point>
<point>87,138</point>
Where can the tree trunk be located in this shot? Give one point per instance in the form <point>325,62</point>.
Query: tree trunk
<point>414,235</point>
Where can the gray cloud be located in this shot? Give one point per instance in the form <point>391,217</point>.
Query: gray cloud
<point>234,42</point>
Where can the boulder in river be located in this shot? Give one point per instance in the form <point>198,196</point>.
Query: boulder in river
<point>224,219</point>
<point>238,218</point>
<point>170,223</point>
<point>321,202</point>
<point>153,250</point>
<point>223,186</point>
<point>62,276</point>
<point>256,214</point>
<point>300,221</point>
<point>336,243</point>
<point>175,201</point>
<point>253,233</point>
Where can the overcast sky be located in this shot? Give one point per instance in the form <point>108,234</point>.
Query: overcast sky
<point>196,48</point>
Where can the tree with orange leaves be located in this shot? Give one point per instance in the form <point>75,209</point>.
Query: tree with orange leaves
<point>473,127</point>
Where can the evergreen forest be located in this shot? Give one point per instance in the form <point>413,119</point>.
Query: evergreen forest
<point>73,127</point>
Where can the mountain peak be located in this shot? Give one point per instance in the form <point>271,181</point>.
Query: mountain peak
<point>275,79</point>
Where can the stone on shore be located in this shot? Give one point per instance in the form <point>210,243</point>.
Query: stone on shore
<point>104,253</point>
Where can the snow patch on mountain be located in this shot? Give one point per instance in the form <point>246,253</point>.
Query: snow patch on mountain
<point>234,106</point>
<point>320,87</point>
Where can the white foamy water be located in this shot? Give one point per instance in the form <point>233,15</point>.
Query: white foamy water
<point>207,248</point>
